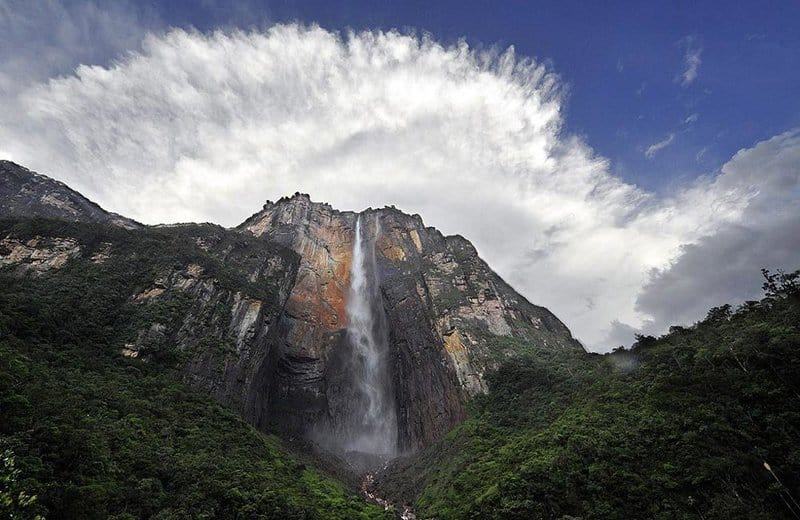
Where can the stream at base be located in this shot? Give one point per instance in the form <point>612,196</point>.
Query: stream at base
<point>367,487</point>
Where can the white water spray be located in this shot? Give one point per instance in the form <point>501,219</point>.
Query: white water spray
<point>373,427</point>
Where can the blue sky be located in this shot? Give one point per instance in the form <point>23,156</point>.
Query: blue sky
<point>630,166</point>
<point>621,61</point>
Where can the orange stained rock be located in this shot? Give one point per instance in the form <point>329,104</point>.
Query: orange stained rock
<point>322,297</point>
<point>452,343</point>
<point>390,246</point>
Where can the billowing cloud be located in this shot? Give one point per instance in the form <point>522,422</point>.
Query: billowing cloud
<point>722,267</point>
<point>205,127</point>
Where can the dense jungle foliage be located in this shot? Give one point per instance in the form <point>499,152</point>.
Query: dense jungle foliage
<point>703,422</point>
<point>88,433</point>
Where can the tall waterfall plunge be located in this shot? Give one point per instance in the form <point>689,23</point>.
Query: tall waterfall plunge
<point>372,425</point>
<point>359,421</point>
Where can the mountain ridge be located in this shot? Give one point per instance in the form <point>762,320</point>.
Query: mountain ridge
<point>451,317</point>
<point>28,193</point>
<point>132,361</point>
<point>444,301</point>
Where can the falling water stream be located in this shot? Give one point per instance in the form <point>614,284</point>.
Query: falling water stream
<point>373,428</point>
<point>361,425</point>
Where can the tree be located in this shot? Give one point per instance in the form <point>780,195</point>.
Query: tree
<point>781,284</point>
<point>15,502</point>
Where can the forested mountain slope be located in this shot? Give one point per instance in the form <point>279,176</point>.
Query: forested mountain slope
<point>94,432</point>
<point>703,422</point>
<point>143,370</point>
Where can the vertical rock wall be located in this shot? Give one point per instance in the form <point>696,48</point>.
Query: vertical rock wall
<point>442,303</point>
<point>275,349</point>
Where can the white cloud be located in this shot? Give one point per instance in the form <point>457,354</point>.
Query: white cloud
<point>206,126</point>
<point>723,267</point>
<point>654,148</point>
<point>691,60</point>
<point>691,118</point>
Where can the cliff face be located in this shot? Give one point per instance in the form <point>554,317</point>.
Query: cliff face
<point>450,317</point>
<point>199,298</point>
<point>220,312</point>
<point>257,315</point>
<point>314,321</point>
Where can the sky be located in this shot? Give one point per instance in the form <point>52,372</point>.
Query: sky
<point>628,165</point>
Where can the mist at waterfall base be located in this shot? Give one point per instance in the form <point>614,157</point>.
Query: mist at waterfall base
<point>362,421</point>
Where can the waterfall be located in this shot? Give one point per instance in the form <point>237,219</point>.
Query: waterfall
<point>373,425</point>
